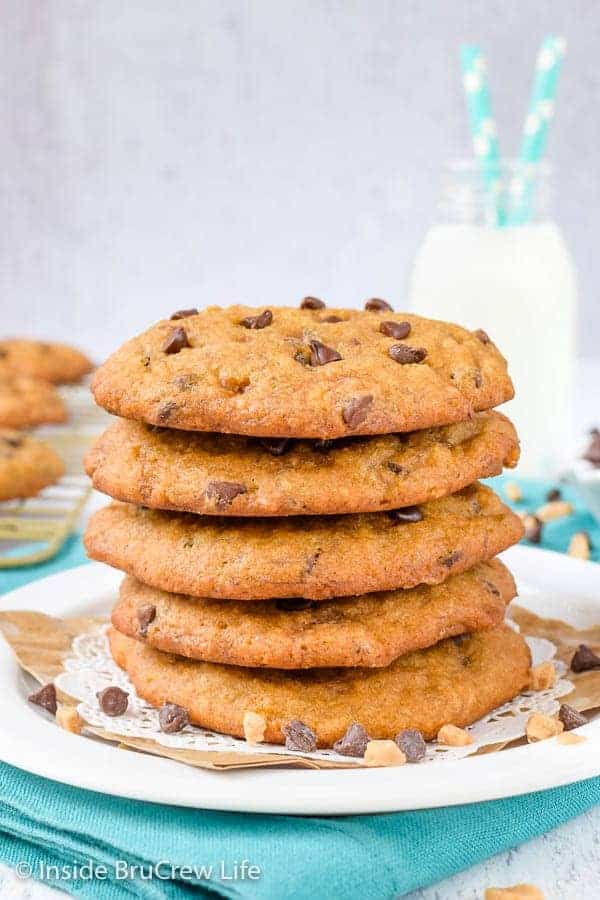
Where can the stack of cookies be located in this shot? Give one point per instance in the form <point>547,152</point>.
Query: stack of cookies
<point>309,556</point>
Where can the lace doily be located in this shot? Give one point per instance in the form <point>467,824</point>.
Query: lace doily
<point>90,668</point>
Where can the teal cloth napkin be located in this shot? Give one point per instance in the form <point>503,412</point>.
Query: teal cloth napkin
<point>43,823</point>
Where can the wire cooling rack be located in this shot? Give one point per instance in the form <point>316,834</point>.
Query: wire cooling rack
<point>35,529</point>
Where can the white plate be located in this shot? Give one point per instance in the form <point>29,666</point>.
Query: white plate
<point>35,744</point>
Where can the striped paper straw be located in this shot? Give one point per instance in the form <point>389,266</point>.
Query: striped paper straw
<point>483,126</point>
<point>537,123</point>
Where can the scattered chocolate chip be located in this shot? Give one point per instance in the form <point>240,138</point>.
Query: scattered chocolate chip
<point>354,742</point>
<point>320,354</point>
<point>356,410</point>
<point>584,659</point>
<point>46,698</point>
<point>113,701</point>
<point>412,744</point>
<point>277,446</point>
<point>224,492</point>
<point>175,341</point>
<point>592,454</point>
<point>323,446</point>
<point>553,495</point>
<point>332,319</point>
<point>312,303</point>
<point>396,330</point>
<point>14,442</point>
<point>533,529</point>
<point>299,736</point>
<point>294,604</point>
<point>403,354</point>
<point>166,410</point>
<point>407,514</point>
<point>395,467</point>
<point>377,305</point>
<point>311,561</point>
<point>261,321</point>
<point>570,717</point>
<point>184,313</point>
<point>146,614</point>
<point>482,335</point>
<point>172,718</point>
<point>449,561</point>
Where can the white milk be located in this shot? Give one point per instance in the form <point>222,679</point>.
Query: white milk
<point>517,283</point>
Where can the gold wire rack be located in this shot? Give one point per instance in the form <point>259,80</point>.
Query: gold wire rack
<point>35,529</point>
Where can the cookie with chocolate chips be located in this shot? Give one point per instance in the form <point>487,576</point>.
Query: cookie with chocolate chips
<point>218,474</point>
<point>26,465</point>
<point>57,363</point>
<point>316,557</point>
<point>369,630</point>
<point>25,402</point>
<point>300,373</point>
<point>448,683</point>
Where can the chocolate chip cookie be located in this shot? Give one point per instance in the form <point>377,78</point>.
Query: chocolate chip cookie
<point>26,465</point>
<point>25,402</point>
<point>370,630</point>
<point>305,373</point>
<point>316,557</point>
<point>455,682</point>
<point>218,474</point>
<point>57,363</point>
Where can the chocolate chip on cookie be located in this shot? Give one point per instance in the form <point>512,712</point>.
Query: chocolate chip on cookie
<point>224,492</point>
<point>395,467</point>
<point>113,701</point>
<point>397,330</point>
<point>584,659</point>
<point>172,718</point>
<point>570,717</point>
<point>146,614</point>
<point>256,322</point>
<point>176,341</point>
<point>412,744</point>
<point>354,742</point>
<point>482,336</point>
<point>320,354</point>
<point>356,410</point>
<point>407,514</point>
<point>377,305</point>
<point>184,313</point>
<point>276,446</point>
<point>299,736</point>
<point>45,697</point>
<point>404,355</point>
<point>449,561</point>
<point>312,303</point>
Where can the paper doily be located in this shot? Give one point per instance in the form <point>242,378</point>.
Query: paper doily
<point>91,668</point>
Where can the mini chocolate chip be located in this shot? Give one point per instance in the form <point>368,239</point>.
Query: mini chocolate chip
<point>533,529</point>
<point>354,742</point>
<point>312,303</point>
<point>146,614</point>
<point>332,319</point>
<point>172,718</point>
<point>294,604</point>
<point>184,313</point>
<point>356,410</point>
<point>482,335</point>
<point>46,698</point>
<point>395,468</point>
<point>224,492</point>
<point>256,322</point>
<point>14,442</point>
<point>113,700</point>
<point>403,354</point>
<point>166,410</point>
<point>396,330</point>
<point>553,495</point>
<point>299,736</point>
<point>320,354</point>
<point>377,305</point>
<point>175,341</point>
<point>407,514</point>
<point>584,659</point>
<point>571,718</point>
<point>277,446</point>
<point>412,744</point>
<point>449,561</point>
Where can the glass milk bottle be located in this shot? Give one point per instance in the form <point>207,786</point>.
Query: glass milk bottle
<point>518,283</point>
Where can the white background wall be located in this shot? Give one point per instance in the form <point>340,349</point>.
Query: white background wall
<point>162,153</point>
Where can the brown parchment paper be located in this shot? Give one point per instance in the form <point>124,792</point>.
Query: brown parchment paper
<point>41,643</point>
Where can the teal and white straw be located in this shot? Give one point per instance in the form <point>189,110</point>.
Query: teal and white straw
<point>537,123</point>
<point>483,126</point>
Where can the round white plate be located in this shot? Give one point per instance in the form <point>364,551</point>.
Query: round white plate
<point>567,588</point>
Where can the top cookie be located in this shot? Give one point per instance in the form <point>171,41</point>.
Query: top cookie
<point>57,363</point>
<point>310,373</point>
